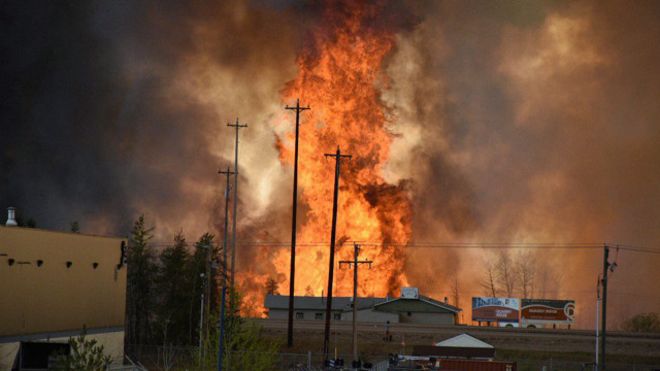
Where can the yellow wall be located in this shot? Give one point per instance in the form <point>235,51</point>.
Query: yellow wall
<point>53,297</point>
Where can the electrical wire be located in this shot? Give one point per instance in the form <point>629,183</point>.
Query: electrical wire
<point>450,245</point>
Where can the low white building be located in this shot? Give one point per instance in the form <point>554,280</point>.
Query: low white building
<point>410,307</point>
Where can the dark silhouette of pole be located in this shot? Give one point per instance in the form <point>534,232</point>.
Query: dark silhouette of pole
<point>606,266</point>
<point>223,267</point>
<point>238,126</point>
<point>328,309</point>
<point>292,274</point>
<point>207,303</point>
<point>355,263</point>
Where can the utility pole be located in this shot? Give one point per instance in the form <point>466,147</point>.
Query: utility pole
<point>328,309</point>
<point>597,309</point>
<point>292,274</point>
<point>355,262</point>
<point>209,251</point>
<point>607,267</point>
<point>201,321</point>
<point>238,126</point>
<point>223,267</point>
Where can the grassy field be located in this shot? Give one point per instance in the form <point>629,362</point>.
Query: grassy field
<point>532,349</point>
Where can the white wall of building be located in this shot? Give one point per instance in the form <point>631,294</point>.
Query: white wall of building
<point>428,318</point>
<point>370,315</point>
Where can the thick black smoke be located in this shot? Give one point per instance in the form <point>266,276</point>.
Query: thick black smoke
<point>99,118</point>
<point>518,121</point>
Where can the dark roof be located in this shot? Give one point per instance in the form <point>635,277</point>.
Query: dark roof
<point>342,303</point>
<point>462,352</point>
<point>442,304</point>
<point>422,299</point>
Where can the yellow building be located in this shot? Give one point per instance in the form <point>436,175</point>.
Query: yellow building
<point>54,284</point>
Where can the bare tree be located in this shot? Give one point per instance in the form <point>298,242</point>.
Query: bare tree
<point>506,275</point>
<point>455,288</point>
<point>525,269</point>
<point>489,281</point>
<point>548,281</point>
<point>166,357</point>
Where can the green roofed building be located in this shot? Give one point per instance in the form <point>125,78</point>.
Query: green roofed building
<point>414,308</point>
<point>410,307</point>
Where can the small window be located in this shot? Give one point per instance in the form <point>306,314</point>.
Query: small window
<point>409,314</point>
<point>318,315</point>
<point>300,315</point>
<point>337,316</point>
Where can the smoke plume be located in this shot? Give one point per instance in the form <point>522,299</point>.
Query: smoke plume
<point>506,122</point>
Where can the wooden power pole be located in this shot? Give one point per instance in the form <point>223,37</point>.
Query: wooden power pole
<point>606,253</point>
<point>355,262</point>
<point>223,268</point>
<point>238,126</point>
<point>292,274</point>
<point>328,309</point>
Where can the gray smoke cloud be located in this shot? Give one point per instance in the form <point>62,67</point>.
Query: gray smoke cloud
<point>534,121</point>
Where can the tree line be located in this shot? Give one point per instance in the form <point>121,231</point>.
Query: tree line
<point>172,300</point>
<point>516,274</point>
<point>164,289</point>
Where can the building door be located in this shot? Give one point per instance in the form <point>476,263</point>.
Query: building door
<point>39,355</point>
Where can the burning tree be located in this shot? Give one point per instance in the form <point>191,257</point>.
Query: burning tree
<point>271,286</point>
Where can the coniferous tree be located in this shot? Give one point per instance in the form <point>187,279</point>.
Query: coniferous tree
<point>174,292</point>
<point>140,276</point>
<point>203,280</point>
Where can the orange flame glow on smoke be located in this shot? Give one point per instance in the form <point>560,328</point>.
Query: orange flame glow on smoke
<point>338,77</point>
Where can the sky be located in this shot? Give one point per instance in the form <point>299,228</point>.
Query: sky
<point>511,122</point>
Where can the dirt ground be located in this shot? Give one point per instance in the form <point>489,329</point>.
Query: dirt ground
<point>523,345</point>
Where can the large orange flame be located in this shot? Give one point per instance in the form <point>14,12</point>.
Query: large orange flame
<point>339,74</point>
<point>338,78</point>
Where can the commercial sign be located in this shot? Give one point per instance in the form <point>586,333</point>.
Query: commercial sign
<point>548,311</point>
<point>495,309</point>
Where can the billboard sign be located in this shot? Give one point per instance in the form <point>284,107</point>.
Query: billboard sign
<point>548,311</point>
<point>495,309</point>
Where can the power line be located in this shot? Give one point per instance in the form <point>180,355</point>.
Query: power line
<point>433,245</point>
<point>449,245</point>
<point>640,250</point>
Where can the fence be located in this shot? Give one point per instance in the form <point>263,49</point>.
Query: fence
<point>159,358</point>
<point>166,358</point>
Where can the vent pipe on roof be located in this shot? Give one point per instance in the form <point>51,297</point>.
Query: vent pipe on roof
<point>11,217</point>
